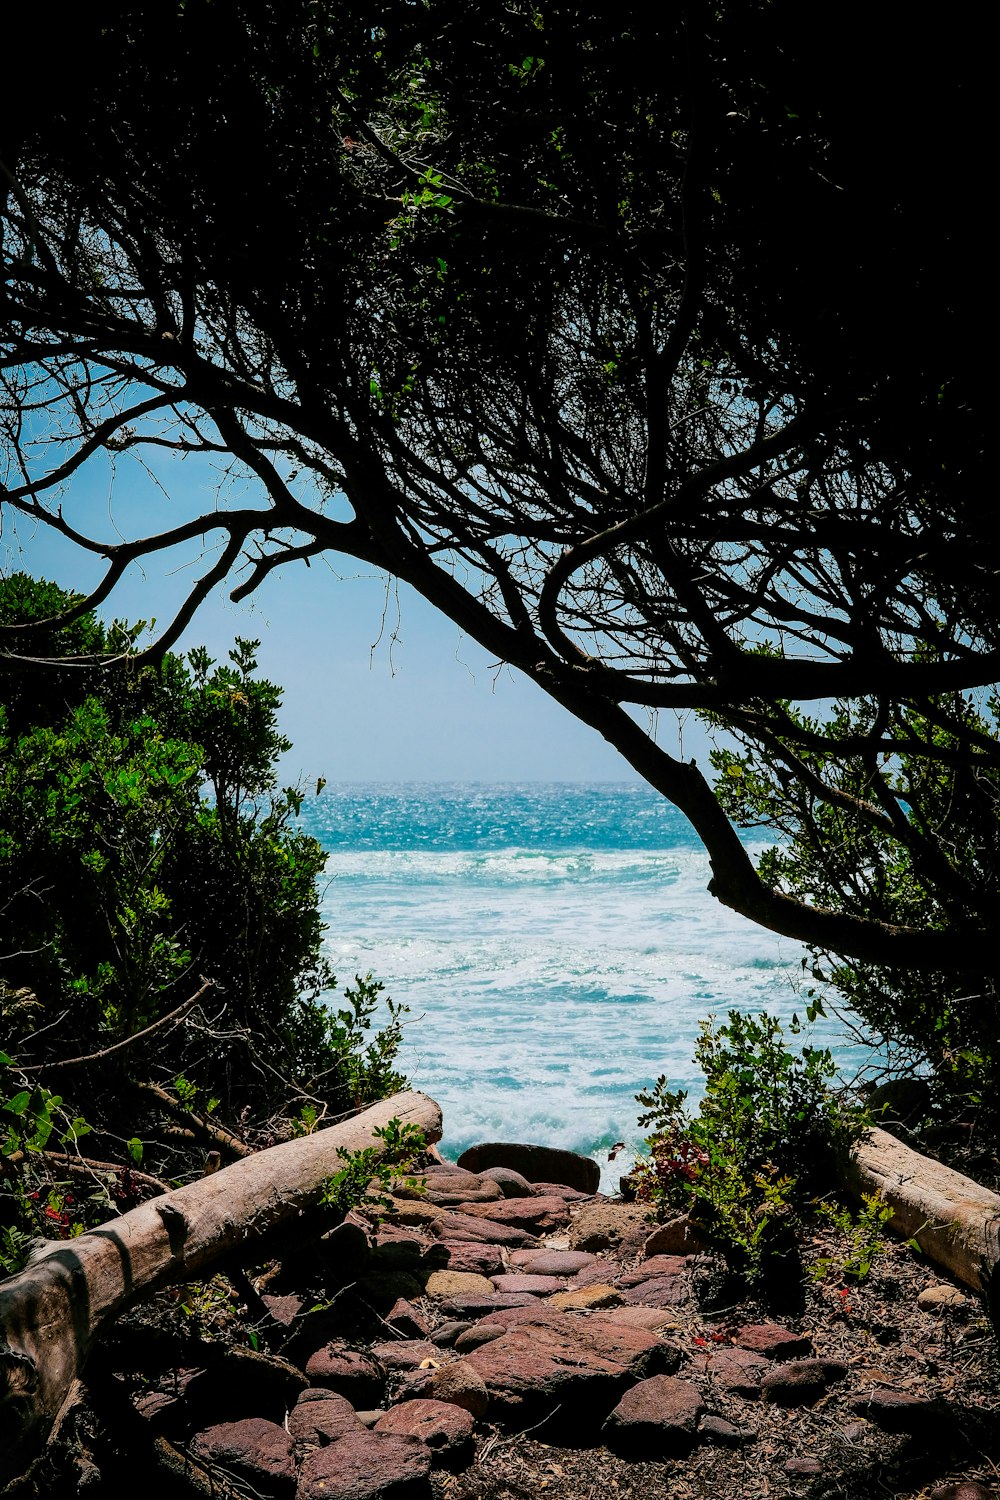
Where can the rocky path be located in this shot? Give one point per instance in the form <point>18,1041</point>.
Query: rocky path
<point>497,1336</point>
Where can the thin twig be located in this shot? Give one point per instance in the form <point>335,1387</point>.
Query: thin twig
<point>76,1062</point>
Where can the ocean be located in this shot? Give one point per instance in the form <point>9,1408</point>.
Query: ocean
<point>556,946</point>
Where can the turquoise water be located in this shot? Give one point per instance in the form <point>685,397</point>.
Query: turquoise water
<point>555,943</point>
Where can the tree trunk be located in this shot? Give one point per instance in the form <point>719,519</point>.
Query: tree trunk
<point>953,1220</point>
<point>54,1310</point>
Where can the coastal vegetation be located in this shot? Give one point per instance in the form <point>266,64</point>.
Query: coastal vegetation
<point>162,970</point>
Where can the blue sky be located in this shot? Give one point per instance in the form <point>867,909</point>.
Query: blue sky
<point>378,685</point>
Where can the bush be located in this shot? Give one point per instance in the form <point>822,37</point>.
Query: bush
<point>144,846</point>
<point>765,1141</point>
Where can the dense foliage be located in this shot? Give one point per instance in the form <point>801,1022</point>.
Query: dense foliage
<point>145,849</point>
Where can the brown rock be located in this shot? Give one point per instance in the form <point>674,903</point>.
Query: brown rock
<point>480,1304</point>
<point>943,1298</point>
<point>510,1183</point>
<point>447,1333</point>
<point>456,1284</point>
<point>898,1411</point>
<point>965,1489</point>
<point>384,1288</point>
<point>802,1381</point>
<point>606,1226</point>
<point>367,1466</point>
<point>717,1430</point>
<point>485,1191</point>
<point>658,1418</point>
<point>284,1310</point>
<point>567,1194</point>
<point>657,1265</point>
<point>652,1318</point>
<point>254,1450</point>
<point>737,1370</point>
<point>581,1365</point>
<point>405,1354</point>
<point>528,1214</point>
<point>659,1291</point>
<point>458,1383</point>
<point>478,1334</point>
<point>470,1255</point>
<point>445,1428</point>
<point>416,1212</point>
<point>676,1237</point>
<point>577,1299</point>
<point>773,1341</point>
<point>404,1319</point>
<point>537,1286</point>
<point>347,1371</point>
<point>553,1262</point>
<point>535,1163</point>
<point>320,1417</point>
<point>488,1232</point>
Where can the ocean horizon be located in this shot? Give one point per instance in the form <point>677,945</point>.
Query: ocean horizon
<point>556,946</point>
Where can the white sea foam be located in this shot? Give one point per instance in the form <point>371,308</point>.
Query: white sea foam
<point>547,987</point>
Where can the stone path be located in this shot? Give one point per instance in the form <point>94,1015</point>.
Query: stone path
<point>491,1303</point>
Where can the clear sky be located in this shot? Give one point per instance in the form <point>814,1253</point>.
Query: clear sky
<point>378,685</point>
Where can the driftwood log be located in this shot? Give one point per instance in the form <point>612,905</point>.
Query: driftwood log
<point>52,1312</point>
<point>953,1220</point>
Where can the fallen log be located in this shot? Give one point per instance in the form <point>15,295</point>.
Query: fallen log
<point>53,1312</point>
<point>954,1220</point>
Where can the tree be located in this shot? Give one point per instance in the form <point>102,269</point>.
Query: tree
<point>638,345</point>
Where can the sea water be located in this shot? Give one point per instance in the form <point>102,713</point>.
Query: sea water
<point>556,946</point>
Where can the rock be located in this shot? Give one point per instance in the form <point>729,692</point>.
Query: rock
<point>346,1249</point>
<point>965,1489</point>
<point>404,1319</point>
<point>944,1298</point>
<point>458,1383</point>
<point>803,1466</point>
<point>773,1341</point>
<point>482,1260</point>
<point>567,1194</point>
<point>658,1418</point>
<point>347,1371</point>
<point>581,1365</point>
<point>576,1299</point>
<point>445,1428</point>
<point>898,1411</point>
<point>725,1434</point>
<point>802,1381</point>
<point>606,1226</point>
<point>320,1417</point>
<point>510,1183</point>
<point>245,1383</point>
<point>657,1265</point>
<point>535,1163</point>
<point>254,1450</point>
<point>529,1214</point>
<point>737,1370</point>
<point>397,1250</point>
<point>369,1418</point>
<point>676,1237</point>
<point>383,1288</point>
<point>446,1335</point>
<point>659,1291</point>
<point>553,1262</point>
<point>479,1304</point>
<point>485,1192</point>
<point>603,1269</point>
<point>416,1211</point>
<point>467,1227</point>
<point>284,1310</point>
<point>478,1334</point>
<point>456,1284</point>
<point>537,1286</point>
<point>652,1318</point>
<point>367,1466</point>
<point>405,1354</point>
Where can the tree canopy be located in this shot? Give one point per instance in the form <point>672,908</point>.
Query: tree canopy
<point>641,343</point>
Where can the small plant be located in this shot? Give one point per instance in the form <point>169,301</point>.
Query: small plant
<point>369,1175</point>
<point>863,1236</point>
<point>765,1137</point>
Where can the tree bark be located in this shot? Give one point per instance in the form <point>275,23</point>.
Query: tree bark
<point>53,1311</point>
<point>954,1220</point>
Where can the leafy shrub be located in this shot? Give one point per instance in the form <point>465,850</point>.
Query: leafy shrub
<point>145,845</point>
<point>764,1141</point>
